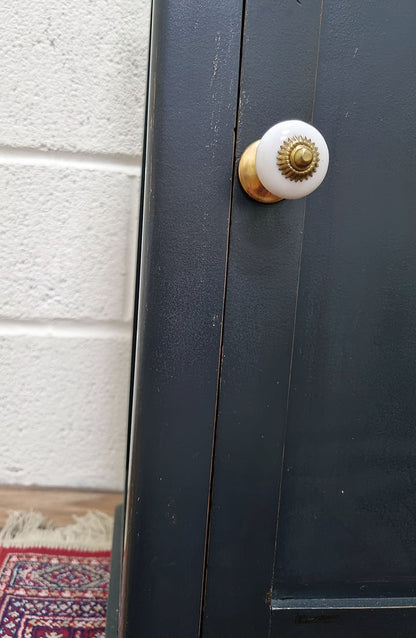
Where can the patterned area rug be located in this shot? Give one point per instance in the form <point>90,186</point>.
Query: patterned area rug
<point>48,592</point>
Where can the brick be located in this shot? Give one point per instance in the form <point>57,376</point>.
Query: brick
<point>73,74</point>
<point>63,404</point>
<point>65,241</point>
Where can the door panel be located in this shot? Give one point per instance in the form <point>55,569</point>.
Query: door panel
<point>347,517</point>
<point>339,618</point>
<point>318,359</point>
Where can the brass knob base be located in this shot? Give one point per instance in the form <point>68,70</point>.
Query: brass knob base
<point>249,180</point>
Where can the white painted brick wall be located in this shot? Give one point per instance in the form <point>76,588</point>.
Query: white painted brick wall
<point>73,78</point>
<point>65,243</point>
<point>72,75</point>
<point>63,403</point>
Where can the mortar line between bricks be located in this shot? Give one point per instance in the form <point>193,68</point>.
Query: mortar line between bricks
<point>65,328</point>
<point>117,163</point>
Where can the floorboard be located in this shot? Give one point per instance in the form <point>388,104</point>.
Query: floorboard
<point>56,504</point>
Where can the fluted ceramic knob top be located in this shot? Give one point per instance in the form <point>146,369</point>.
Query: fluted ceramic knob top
<point>292,159</point>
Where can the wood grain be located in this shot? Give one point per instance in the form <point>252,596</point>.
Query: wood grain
<point>56,504</point>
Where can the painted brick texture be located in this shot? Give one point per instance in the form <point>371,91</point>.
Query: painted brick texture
<point>65,243</point>
<point>72,74</point>
<point>63,410</point>
<point>73,80</point>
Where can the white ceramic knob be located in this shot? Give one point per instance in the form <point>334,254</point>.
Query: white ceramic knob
<point>290,161</point>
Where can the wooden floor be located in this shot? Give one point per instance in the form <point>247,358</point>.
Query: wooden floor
<point>56,504</point>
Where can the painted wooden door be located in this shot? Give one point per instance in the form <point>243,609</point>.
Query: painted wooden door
<point>313,512</point>
<point>272,472</point>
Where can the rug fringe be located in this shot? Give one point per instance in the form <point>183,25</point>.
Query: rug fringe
<point>92,531</point>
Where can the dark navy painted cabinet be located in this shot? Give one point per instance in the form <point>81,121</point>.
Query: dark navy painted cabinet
<point>272,469</point>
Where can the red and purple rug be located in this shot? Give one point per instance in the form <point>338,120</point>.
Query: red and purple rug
<point>53,593</point>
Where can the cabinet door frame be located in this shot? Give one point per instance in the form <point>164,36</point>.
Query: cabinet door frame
<point>187,182</point>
